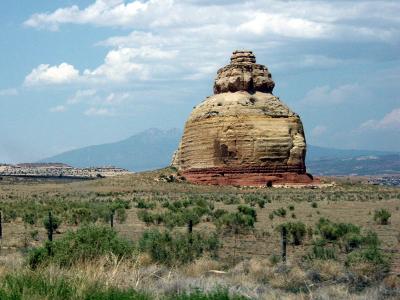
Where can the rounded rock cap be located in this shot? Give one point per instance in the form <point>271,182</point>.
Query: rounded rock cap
<point>243,56</point>
<point>243,74</point>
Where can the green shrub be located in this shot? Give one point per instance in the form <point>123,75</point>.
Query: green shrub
<point>382,216</point>
<point>55,222</point>
<point>146,217</point>
<point>29,218</point>
<point>219,213</point>
<point>254,199</point>
<point>261,203</point>
<point>177,248</point>
<point>280,212</point>
<point>333,231</point>
<point>82,215</point>
<point>314,205</point>
<point>297,230</point>
<point>9,215</point>
<point>229,200</point>
<point>321,250</point>
<point>120,214</point>
<point>242,220</point>
<point>87,243</point>
<point>371,255</point>
<point>141,203</point>
<point>352,241</point>
<point>246,210</point>
<point>271,216</point>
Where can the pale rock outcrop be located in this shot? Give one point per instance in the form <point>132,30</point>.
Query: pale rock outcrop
<point>243,134</point>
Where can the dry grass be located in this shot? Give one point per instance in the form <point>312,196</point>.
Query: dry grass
<point>328,270</point>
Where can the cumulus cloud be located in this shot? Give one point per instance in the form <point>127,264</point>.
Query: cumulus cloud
<point>128,63</point>
<point>167,35</point>
<point>389,121</point>
<point>325,95</point>
<point>298,19</point>
<point>120,65</point>
<point>102,12</point>
<point>267,23</point>
<point>46,74</point>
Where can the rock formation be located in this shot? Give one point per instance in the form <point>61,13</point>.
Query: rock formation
<point>243,135</point>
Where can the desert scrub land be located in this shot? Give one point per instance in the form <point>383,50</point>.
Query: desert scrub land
<point>174,240</point>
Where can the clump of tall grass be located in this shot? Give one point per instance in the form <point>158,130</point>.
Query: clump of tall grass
<point>173,248</point>
<point>382,216</point>
<point>87,243</point>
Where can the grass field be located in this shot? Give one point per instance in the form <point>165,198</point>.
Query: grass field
<point>247,263</point>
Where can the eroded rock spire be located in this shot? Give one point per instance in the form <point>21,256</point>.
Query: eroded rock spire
<point>243,135</point>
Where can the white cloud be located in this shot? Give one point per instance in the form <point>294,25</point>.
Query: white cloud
<point>81,95</point>
<point>46,74</point>
<point>9,92</point>
<point>123,64</point>
<point>102,12</point>
<point>318,130</point>
<point>58,108</point>
<point>296,19</point>
<point>115,99</point>
<point>325,95</point>
<point>389,121</point>
<point>93,111</point>
<point>120,65</point>
<point>267,23</point>
<point>191,39</point>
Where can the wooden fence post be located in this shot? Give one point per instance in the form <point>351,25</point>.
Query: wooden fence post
<point>190,230</point>
<point>1,227</point>
<point>190,226</point>
<point>50,229</point>
<point>1,232</point>
<point>112,219</point>
<point>284,242</point>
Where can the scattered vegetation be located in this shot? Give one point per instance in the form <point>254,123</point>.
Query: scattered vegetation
<point>382,216</point>
<point>177,248</point>
<point>297,230</point>
<point>87,243</point>
<point>157,239</point>
<point>280,212</point>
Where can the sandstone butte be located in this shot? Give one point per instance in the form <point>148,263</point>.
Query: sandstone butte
<point>243,134</point>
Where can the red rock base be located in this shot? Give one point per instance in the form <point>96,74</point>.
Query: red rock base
<point>225,177</point>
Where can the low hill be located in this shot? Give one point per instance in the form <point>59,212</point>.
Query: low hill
<point>153,149</point>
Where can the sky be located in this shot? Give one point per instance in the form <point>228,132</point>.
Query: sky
<point>78,73</point>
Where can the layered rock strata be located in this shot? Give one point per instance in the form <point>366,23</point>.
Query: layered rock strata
<point>243,135</point>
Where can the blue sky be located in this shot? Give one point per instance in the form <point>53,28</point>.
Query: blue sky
<point>77,73</point>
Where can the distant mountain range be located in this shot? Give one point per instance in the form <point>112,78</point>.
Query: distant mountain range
<point>147,150</point>
<point>153,149</point>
